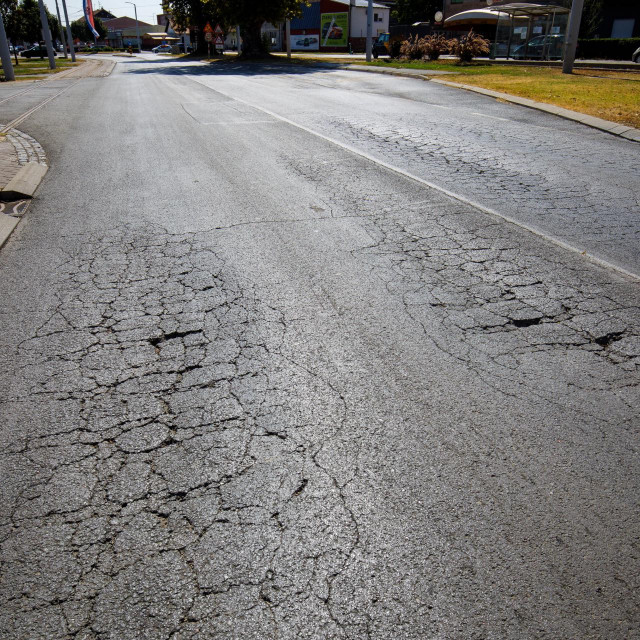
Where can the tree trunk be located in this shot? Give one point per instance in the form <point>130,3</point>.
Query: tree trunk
<point>252,44</point>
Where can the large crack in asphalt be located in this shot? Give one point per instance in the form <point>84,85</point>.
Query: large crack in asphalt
<point>178,472</point>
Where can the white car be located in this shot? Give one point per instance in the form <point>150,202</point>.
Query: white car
<point>163,48</point>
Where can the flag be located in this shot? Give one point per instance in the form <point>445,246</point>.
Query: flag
<point>88,16</point>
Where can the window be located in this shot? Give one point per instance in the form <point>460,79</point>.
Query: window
<point>623,28</point>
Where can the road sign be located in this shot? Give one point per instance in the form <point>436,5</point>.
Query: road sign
<point>208,28</point>
<point>218,31</point>
<point>208,36</point>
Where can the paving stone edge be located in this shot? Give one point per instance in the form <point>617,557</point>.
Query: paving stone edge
<point>27,150</point>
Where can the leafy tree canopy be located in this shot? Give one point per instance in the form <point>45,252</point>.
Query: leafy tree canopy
<point>81,31</point>
<point>410,11</point>
<point>22,21</point>
<point>249,14</point>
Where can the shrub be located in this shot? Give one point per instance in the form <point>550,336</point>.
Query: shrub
<point>396,46</point>
<point>470,46</point>
<point>434,46</point>
<point>412,49</point>
<point>608,48</point>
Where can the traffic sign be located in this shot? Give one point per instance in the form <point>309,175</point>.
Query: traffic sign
<point>208,36</point>
<point>208,28</point>
<point>219,40</point>
<point>218,31</point>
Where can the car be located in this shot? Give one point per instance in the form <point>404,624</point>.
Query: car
<point>163,48</point>
<point>550,46</point>
<point>636,56</point>
<point>39,51</point>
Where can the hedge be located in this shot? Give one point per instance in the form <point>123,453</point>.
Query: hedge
<point>608,48</point>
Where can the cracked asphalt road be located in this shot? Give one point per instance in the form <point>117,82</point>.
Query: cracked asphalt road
<point>257,386</point>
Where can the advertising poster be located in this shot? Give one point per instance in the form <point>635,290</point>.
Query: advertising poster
<point>335,29</point>
<point>310,42</point>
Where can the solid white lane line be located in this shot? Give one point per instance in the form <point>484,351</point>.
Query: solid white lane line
<point>431,185</point>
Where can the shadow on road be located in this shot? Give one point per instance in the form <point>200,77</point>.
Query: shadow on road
<point>219,67</point>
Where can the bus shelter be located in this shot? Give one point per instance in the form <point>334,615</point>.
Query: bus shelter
<point>530,31</point>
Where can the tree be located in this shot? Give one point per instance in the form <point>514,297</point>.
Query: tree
<point>193,15</point>
<point>81,31</point>
<point>591,18</point>
<point>410,11</point>
<point>22,21</point>
<point>249,14</point>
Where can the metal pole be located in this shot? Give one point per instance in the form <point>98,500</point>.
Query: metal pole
<point>526,44</point>
<point>545,46</point>
<point>238,42</point>
<point>135,11</point>
<point>64,44</point>
<point>47,35</point>
<point>5,54</point>
<point>72,49</point>
<point>288,36</point>
<point>369,29</point>
<point>510,37</point>
<point>571,39</point>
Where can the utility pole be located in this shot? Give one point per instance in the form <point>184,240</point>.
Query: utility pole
<point>288,36</point>
<point>61,28</point>
<point>72,49</point>
<point>135,10</point>
<point>571,39</point>
<point>5,54</point>
<point>47,35</point>
<point>369,30</point>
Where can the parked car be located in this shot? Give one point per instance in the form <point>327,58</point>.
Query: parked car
<point>38,51</point>
<point>550,46</point>
<point>163,48</point>
<point>636,56</point>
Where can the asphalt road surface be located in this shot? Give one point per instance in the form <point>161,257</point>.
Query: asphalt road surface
<point>256,385</point>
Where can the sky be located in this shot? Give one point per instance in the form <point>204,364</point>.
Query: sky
<point>147,9</point>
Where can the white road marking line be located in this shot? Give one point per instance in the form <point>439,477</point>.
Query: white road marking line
<point>460,198</point>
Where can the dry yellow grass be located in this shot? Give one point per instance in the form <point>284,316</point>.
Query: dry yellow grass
<point>610,95</point>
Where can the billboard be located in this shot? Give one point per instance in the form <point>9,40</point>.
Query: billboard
<point>306,43</point>
<point>335,29</point>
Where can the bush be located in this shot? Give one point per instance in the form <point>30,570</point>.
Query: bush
<point>434,46</point>
<point>608,48</point>
<point>470,46</point>
<point>396,46</point>
<point>412,49</point>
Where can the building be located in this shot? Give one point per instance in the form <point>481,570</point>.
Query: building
<point>620,19</point>
<point>336,25</point>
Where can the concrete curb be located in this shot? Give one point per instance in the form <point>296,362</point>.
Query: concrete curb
<point>7,225</point>
<point>30,167</point>
<point>25,182</point>
<point>614,128</point>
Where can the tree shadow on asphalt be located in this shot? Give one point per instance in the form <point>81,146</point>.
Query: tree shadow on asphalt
<point>226,67</point>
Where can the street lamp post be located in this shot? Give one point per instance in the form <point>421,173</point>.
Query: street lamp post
<point>135,10</point>
<point>61,29</point>
<point>72,49</point>
<point>47,35</point>
<point>369,46</point>
<point>5,54</point>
